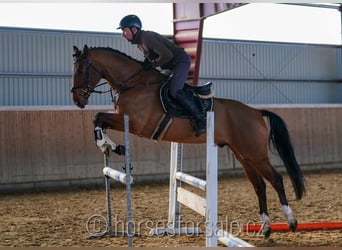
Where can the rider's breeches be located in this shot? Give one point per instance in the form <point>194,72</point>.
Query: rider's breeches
<point>180,74</point>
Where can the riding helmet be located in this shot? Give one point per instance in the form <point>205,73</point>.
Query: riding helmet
<point>130,21</point>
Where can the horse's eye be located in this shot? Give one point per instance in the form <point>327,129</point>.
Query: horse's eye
<point>79,70</point>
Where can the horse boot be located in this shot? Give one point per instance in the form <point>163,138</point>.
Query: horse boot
<point>193,109</point>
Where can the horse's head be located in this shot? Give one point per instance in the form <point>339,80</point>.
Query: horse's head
<point>121,72</point>
<point>85,76</point>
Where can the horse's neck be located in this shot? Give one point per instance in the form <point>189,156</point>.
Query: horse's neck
<point>132,73</point>
<point>154,76</point>
<point>120,70</point>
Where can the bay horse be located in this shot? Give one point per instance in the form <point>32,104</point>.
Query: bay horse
<point>240,127</point>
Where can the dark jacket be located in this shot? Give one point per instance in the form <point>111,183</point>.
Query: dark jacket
<point>157,48</point>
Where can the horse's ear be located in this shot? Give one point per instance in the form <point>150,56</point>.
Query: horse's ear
<point>77,52</point>
<point>85,50</point>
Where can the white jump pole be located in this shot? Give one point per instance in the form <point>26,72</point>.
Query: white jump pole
<point>211,179</point>
<point>178,195</point>
<point>205,206</point>
<point>230,240</point>
<point>116,175</point>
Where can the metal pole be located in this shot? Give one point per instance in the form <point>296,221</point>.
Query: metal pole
<point>178,184</point>
<point>109,211</point>
<point>128,182</point>
<point>340,10</point>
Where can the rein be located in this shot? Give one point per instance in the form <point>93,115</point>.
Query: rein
<point>87,90</point>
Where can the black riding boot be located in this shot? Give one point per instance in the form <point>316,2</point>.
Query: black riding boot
<point>191,107</point>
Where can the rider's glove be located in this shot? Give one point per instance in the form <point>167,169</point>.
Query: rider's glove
<point>147,65</point>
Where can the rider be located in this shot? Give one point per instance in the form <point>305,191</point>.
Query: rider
<point>159,51</point>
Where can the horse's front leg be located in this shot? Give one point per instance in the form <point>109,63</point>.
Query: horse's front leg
<point>105,121</point>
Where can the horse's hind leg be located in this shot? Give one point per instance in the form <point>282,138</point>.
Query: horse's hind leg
<point>278,185</point>
<point>276,180</point>
<point>260,189</point>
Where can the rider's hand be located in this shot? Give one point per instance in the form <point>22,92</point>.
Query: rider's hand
<point>147,65</point>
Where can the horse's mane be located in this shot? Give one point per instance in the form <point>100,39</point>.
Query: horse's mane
<point>114,51</point>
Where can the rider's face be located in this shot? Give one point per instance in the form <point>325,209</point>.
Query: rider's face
<point>127,33</point>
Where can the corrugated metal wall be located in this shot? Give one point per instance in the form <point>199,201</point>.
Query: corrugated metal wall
<point>35,68</point>
<point>260,72</point>
<point>35,65</point>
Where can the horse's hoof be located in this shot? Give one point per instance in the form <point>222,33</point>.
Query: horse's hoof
<point>105,149</point>
<point>293,225</point>
<point>266,230</point>
<point>120,150</point>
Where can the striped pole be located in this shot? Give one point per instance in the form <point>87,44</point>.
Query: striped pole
<point>191,180</point>
<point>116,175</point>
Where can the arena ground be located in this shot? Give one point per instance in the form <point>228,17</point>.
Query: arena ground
<point>64,217</point>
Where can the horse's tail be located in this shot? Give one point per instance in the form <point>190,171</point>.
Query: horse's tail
<point>280,138</point>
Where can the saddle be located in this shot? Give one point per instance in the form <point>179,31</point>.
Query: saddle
<point>202,96</point>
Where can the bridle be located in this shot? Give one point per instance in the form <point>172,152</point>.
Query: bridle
<point>85,87</point>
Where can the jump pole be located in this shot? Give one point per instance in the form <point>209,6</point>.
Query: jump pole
<point>309,226</point>
<point>212,186</point>
<point>124,178</point>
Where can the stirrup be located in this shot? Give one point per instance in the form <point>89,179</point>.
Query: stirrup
<point>196,129</point>
<point>198,132</point>
<point>203,122</point>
